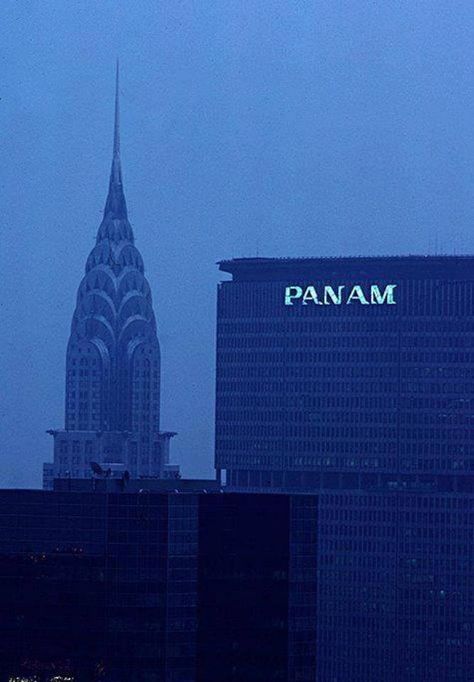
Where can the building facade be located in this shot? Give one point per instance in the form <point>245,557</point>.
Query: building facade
<point>353,378</point>
<point>112,406</point>
<point>341,370</point>
<point>395,595</point>
<point>156,587</point>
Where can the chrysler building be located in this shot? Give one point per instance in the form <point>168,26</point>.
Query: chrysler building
<point>112,406</point>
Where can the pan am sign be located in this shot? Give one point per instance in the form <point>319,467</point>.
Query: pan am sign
<point>371,294</point>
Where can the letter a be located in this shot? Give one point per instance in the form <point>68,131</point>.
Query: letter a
<point>311,294</point>
<point>357,295</point>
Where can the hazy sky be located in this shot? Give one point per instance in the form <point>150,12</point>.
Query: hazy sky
<point>270,127</point>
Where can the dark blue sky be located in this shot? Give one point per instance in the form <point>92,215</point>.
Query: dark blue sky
<point>279,127</point>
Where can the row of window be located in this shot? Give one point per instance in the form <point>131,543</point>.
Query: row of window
<point>326,325</point>
<point>75,446</point>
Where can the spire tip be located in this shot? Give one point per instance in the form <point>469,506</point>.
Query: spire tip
<point>115,200</point>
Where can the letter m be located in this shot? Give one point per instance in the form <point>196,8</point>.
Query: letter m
<point>377,297</point>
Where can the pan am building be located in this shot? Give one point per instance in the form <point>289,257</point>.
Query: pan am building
<point>346,372</point>
<point>354,378</point>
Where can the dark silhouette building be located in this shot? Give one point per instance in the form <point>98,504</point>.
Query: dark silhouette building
<point>353,378</point>
<point>156,587</point>
<point>112,406</point>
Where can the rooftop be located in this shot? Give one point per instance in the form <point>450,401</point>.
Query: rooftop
<point>414,266</point>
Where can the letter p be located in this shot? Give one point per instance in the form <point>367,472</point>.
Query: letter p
<point>291,293</point>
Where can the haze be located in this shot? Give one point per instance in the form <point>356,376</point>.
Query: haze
<point>275,128</point>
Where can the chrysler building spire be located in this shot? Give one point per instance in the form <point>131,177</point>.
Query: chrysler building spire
<point>113,357</point>
<point>115,205</point>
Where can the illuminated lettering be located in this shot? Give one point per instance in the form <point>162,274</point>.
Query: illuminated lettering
<point>370,294</point>
<point>357,295</point>
<point>292,293</point>
<point>311,295</point>
<point>330,295</point>
<point>379,298</point>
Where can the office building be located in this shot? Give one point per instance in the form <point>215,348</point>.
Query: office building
<point>112,406</point>
<point>353,378</point>
<point>116,585</point>
<point>337,372</point>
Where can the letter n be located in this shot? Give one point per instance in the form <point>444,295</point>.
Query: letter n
<point>330,295</point>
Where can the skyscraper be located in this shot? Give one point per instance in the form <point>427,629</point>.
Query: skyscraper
<point>346,372</point>
<point>112,407</point>
<point>354,377</point>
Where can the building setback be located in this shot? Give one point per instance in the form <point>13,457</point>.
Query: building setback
<point>353,378</point>
<point>156,587</point>
<point>112,406</point>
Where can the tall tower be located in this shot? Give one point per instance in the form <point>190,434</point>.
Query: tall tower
<point>112,408</point>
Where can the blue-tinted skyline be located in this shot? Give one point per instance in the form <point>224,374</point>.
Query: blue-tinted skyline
<point>277,128</point>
